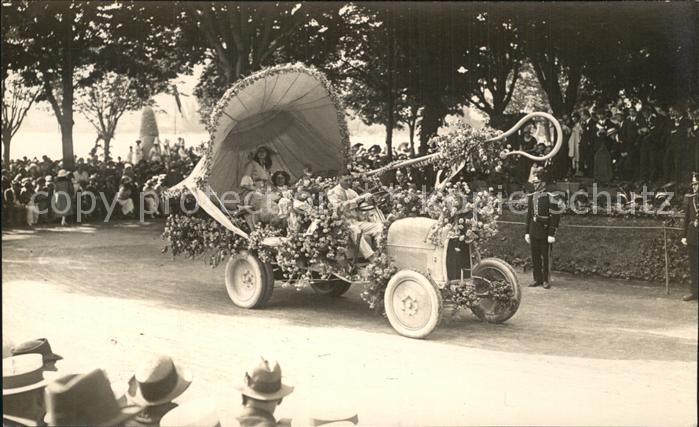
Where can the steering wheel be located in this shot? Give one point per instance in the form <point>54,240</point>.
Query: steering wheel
<point>378,194</point>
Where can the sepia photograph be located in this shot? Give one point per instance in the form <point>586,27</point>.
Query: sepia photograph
<point>334,213</point>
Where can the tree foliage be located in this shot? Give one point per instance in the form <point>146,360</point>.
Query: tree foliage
<point>17,99</point>
<point>104,102</point>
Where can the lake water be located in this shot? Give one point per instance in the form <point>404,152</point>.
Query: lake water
<point>36,144</point>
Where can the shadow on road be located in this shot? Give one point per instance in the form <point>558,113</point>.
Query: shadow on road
<point>581,317</point>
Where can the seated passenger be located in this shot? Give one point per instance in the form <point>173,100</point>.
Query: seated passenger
<point>346,200</point>
<point>280,183</point>
<point>258,168</point>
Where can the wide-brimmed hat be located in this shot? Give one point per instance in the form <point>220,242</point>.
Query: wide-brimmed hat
<point>196,413</point>
<point>38,346</point>
<point>157,381</point>
<point>264,382</point>
<point>62,173</point>
<point>22,373</point>
<point>84,399</point>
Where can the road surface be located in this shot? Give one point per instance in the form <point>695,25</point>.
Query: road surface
<point>587,352</point>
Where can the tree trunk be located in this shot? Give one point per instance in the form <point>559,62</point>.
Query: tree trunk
<point>411,136</point>
<point>107,156</point>
<point>6,139</point>
<point>431,120</point>
<point>66,121</point>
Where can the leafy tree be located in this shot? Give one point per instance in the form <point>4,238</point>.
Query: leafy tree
<point>495,56</point>
<point>238,38</point>
<point>64,45</point>
<point>373,67</point>
<point>17,99</point>
<point>104,102</point>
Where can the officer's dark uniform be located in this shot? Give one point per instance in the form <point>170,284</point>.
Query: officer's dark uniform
<point>543,217</point>
<point>691,228</point>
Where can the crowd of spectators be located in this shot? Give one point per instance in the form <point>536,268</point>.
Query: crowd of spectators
<point>43,192</point>
<point>650,145</point>
<point>37,390</point>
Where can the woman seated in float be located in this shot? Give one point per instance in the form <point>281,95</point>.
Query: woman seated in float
<point>260,165</point>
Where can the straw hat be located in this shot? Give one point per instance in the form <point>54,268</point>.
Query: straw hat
<point>22,373</point>
<point>38,346</point>
<point>264,382</point>
<point>157,381</point>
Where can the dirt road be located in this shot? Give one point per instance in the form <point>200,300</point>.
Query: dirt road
<point>585,352</point>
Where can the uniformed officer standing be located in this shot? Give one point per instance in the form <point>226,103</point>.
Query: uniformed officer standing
<point>691,231</point>
<point>543,217</point>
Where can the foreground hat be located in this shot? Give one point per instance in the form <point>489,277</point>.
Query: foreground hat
<point>197,413</point>
<point>264,382</point>
<point>84,399</point>
<point>22,373</point>
<point>158,381</point>
<point>38,346</point>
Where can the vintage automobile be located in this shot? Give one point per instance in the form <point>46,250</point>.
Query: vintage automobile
<point>293,111</point>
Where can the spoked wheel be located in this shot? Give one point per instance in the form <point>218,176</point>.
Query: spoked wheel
<point>413,304</point>
<point>331,288</point>
<point>249,282</point>
<point>493,273</point>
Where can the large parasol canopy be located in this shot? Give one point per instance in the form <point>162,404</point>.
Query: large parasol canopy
<point>290,109</point>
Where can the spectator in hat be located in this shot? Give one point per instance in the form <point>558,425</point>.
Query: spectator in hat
<point>85,400</point>
<point>80,177</point>
<point>42,199</point>
<point>22,390</point>
<point>26,197</point>
<point>661,133</point>
<point>628,143</point>
<point>691,237</point>
<point>677,145</point>
<point>39,346</point>
<point>587,153</point>
<point>124,199</point>
<point>262,391</point>
<point>154,386</point>
<point>574,144</point>
<point>63,196</point>
<point>602,166</point>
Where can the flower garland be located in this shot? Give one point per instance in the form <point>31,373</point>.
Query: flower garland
<point>464,143</point>
<point>191,236</point>
<point>320,247</point>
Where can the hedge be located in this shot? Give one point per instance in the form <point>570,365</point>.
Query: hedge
<point>614,253</point>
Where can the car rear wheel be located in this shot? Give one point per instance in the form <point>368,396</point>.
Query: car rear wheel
<point>413,304</point>
<point>331,288</point>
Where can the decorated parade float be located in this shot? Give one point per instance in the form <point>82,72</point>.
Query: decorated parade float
<point>427,258</point>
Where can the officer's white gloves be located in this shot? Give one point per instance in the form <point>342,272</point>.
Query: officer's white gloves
<point>684,241</point>
<point>550,239</point>
<point>527,239</point>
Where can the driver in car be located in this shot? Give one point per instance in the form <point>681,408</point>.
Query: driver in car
<point>346,200</point>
